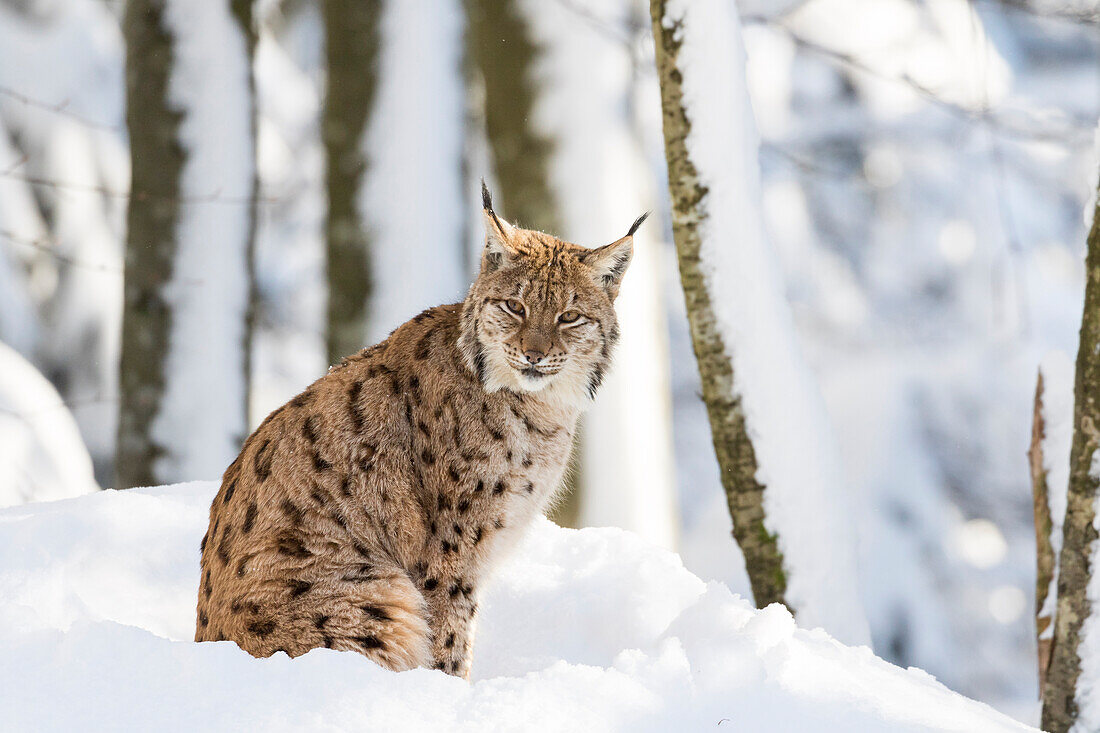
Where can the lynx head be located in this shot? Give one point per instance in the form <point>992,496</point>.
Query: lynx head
<point>541,314</point>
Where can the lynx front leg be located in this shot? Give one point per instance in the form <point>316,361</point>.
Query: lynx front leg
<point>454,611</point>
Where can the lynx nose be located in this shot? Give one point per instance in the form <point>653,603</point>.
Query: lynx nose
<point>534,357</point>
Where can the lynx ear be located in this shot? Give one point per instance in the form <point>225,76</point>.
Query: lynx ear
<point>498,235</point>
<point>609,263</point>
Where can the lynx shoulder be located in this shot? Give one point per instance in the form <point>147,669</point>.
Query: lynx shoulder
<point>365,513</point>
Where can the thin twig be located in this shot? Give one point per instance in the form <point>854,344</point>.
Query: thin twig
<point>49,247</point>
<point>69,405</point>
<point>1067,15</point>
<point>61,108</point>
<point>17,163</point>
<point>215,197</point>
<point>810,167</point>
<point>983,115</point>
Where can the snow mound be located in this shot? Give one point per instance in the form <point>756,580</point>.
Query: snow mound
<point>582,630</point>
<point>42,455</point>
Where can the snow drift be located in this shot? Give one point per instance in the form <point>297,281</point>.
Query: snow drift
<point>41,454</point>
<point>582,630</point>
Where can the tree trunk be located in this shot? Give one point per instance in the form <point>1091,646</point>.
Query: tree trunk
<point>1060,700</point>
<point>1044,550</point>
<point>732,444</point>
<point>502,55</point>
<point>186,326</point>
<point>243,14</point>
<point>351,54</point>
<point>157,163</point>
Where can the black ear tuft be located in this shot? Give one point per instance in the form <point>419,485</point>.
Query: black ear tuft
<point>487,204</point>
<point>486,197</point>
<point>633,227</point>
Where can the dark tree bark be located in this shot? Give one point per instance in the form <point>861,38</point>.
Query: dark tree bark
<point>158,204</point>
<point>351,52</point>
<point>243,12</point>
<point>157,162</point>
<point>502,55</point>
<point>1079,533</point>
<point>732,445</point>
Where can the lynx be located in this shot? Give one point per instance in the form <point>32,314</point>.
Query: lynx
<point>365,513</point>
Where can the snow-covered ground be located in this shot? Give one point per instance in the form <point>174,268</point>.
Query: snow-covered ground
<point>584,630</point>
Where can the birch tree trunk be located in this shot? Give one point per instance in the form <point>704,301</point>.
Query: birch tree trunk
<point>351,54</point>
<point>190,228</point>
<point>732,445</point>
<point>778,462</point>
<point>1062,701</point>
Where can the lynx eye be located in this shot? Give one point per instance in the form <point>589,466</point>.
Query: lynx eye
<point>569,317</point>
<point>515,307</point>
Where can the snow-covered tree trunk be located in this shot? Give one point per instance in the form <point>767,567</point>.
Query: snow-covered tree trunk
<point>351,54</point>
<point>413,198</point>
<point>190,226</point>
<point>503,58</point>
<point>1071,694</point>
<point>626,474</point>
<point>1048,457</point>
<point>778,464</point>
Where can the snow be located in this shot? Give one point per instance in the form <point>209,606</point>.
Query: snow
<point>413,199</point>
<point>591,630</point>
<point>202,415</point>
<point>41,453</point>
<point>1058,373</point>
<point>805,501</point>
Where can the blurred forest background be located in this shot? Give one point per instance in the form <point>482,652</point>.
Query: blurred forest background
<point>925,165</point>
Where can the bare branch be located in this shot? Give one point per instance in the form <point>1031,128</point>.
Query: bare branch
<point>215,197</point>
<point>60,108</point>
<point>49,247</point>
<point>984,115</point>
